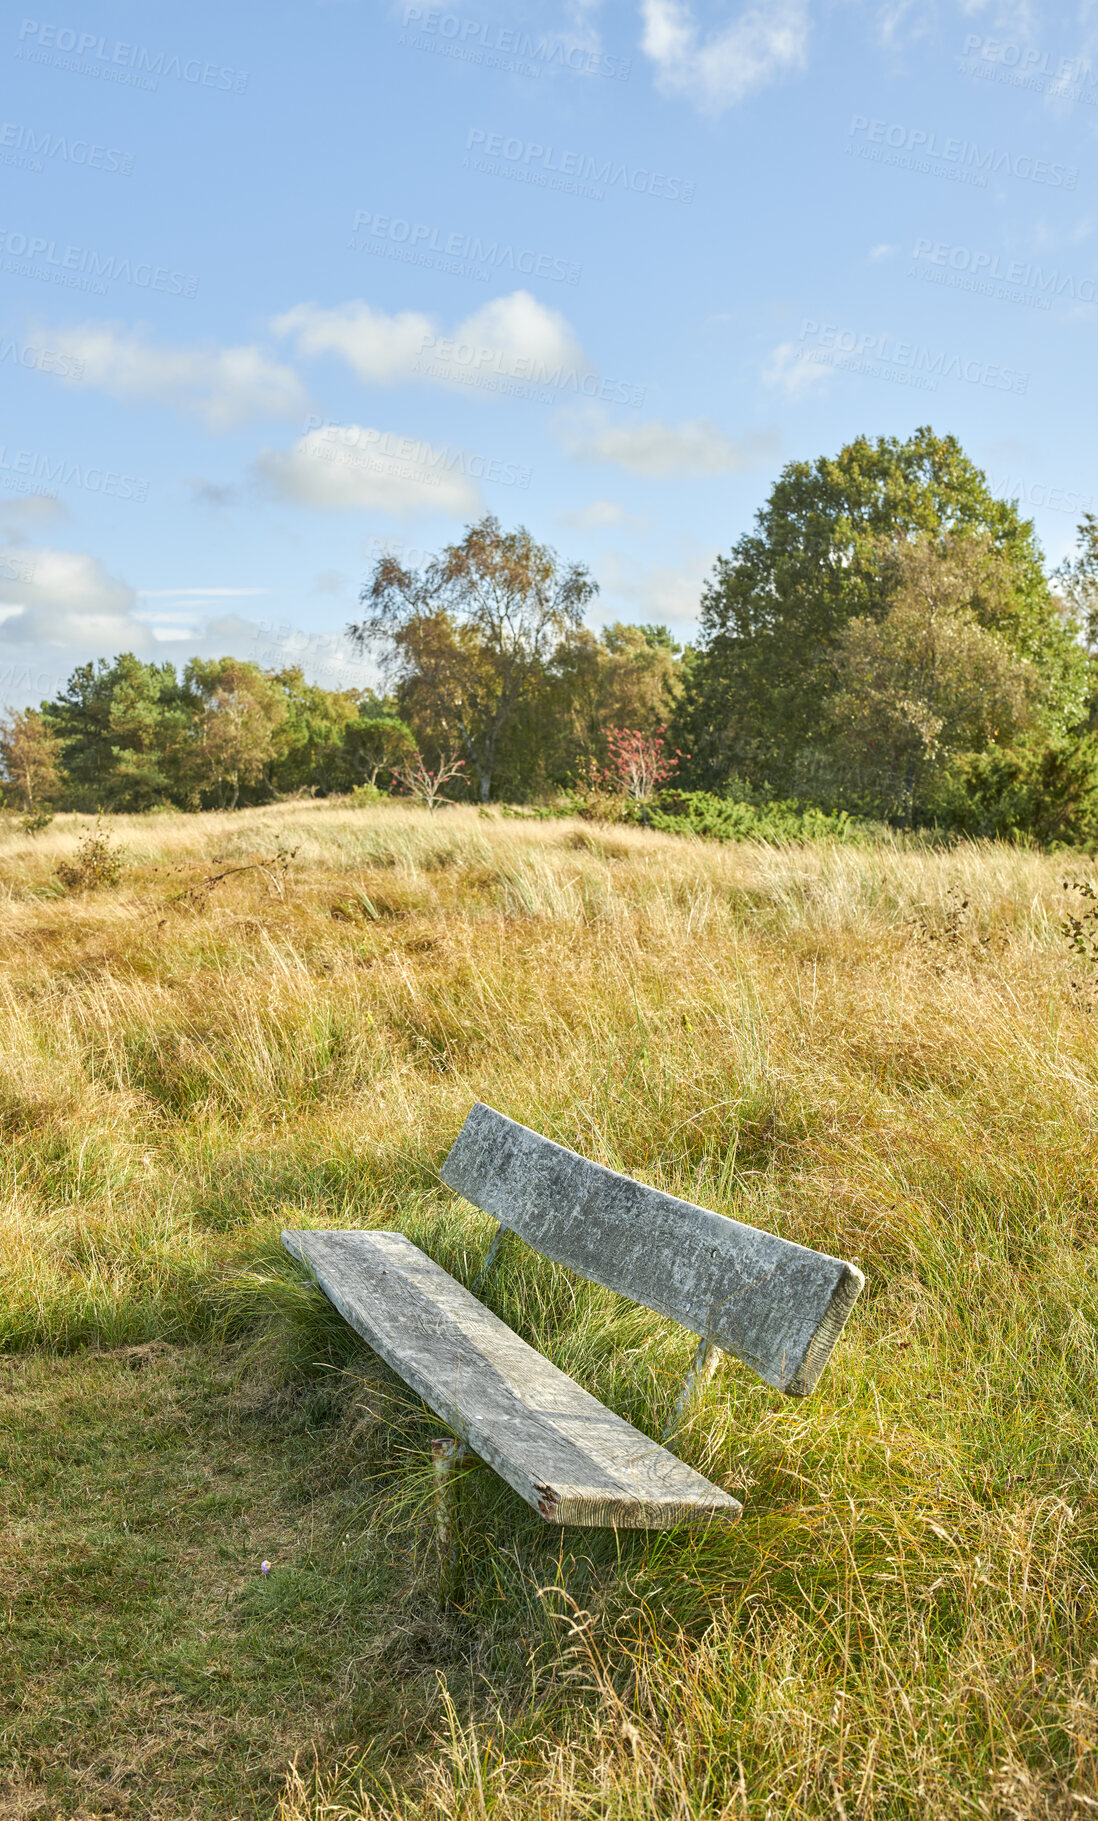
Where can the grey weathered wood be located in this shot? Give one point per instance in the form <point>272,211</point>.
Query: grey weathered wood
<point>446,1455</point>
<point>568,1456</point>
<point>777,1306</point>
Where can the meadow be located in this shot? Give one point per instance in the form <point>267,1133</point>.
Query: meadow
<point>280,1018</point>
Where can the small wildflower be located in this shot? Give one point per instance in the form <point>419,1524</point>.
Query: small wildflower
<point>264,1567</point>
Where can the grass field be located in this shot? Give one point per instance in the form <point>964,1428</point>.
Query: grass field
<point>885,1052</point>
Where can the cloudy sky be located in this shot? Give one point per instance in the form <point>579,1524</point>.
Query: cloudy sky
<point>286,287</point>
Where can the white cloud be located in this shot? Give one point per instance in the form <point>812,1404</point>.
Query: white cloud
<point>902,22</point>
<point>790,371</point>
<point>30,513</point>
<point>66,597</point>
<point>376,346</point>
<point>187,636</point>
<point>598,516</point>
<point>883,250</point>
<point>696,447</point>
<point>766,40</point>
<point>662,593</point>
<point>196,594</point>
<point>58,608</point>
<point>224,387</point>
<point>174,613</point>
<point>513,337</point>
<point>353,467</point>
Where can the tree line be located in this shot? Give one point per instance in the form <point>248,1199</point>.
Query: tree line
<point>884,641</point>
<point>128,736</point>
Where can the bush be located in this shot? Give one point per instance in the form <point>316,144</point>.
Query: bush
<point>1047,794</point>
<point>697,812</point>
<point>97,864</point>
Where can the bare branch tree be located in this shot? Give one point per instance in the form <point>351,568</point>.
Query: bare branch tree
<point>425,785</point>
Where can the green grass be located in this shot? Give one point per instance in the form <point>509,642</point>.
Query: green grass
<point>881,1051</point>
<point>149,1665</point>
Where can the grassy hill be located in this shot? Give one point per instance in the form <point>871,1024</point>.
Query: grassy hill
<point>281,1018</point>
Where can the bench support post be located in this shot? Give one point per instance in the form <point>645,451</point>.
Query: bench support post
<point>446,1454</point>
<point>706,1360</point>
<point>490,1257</point>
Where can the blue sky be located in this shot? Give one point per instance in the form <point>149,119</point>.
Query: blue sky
<point>285,287</point>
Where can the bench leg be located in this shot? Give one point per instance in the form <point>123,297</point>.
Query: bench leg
<point>446,1454</point>
<point>706,1360</point>
<point>490,1257</point>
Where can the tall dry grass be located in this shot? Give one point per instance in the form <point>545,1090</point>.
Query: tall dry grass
<point>885,1053</point>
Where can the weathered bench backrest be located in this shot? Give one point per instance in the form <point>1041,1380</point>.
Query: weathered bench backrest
<point>777,1306</point>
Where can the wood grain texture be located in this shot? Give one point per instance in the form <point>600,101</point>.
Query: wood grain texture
<point>568,1456</point>
<point>777,1306</point>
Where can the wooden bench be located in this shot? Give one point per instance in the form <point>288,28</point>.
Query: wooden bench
<point>776,1306</point>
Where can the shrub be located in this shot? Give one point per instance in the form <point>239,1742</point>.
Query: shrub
<point>697,812</point>
<point>97,863</point>
<point>1047,793</point>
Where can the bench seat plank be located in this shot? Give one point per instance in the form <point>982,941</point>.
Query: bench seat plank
<point>777,1306</point>
<point>568,1456</point>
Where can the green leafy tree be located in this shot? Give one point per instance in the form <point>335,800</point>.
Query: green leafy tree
<point>1077,578</point>
<point>627,677</point>
<point>377,744</point>
<point>311,749</point>
<point>755,702</point>
<point>123,729</point>
<point>623,676</point>
<point>931,677</point>
<point>238,712</point>
<point>470,638</point>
